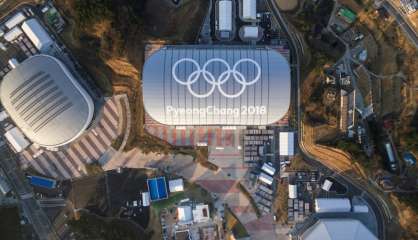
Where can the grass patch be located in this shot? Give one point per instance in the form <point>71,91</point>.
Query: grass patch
<point>298,164</point>
<point>170,201</point>
<point>234,225</point>
<point>10,223</point>
<point>191,191</point>
<point>281,203</point>
<point>117,142</point>
<point>369,164</point>
<point>202,157</point>
<point>94,169</point>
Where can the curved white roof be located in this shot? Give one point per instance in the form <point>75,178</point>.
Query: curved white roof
<point>216,85</point>
<point>225,15</point>
<point>338,229</point>
<point>46,102</point>
<point>249,9</point>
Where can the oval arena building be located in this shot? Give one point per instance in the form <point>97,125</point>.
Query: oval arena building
<point>216,85</point>
<point>46,102</point>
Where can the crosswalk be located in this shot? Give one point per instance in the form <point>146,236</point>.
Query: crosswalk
<point>70,163</point>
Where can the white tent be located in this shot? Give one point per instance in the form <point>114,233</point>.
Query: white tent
<point>268,169</point>
<point>201,213</point>
<point>225,15</point>
<point>326,185</point>
<point>184,214</point>
<point>333,229</point>
<point>287,143</point>
<point>15,20</point>
<point>250,32</point>
<point>249,9</point>
<point>145,199</point>
<point>265,178</point>
<point>332,205</point>
<point>293,191</point>
<point>16,138</point>
<point>12,34</point>
<point>37,34</point>
<point>176,185</point>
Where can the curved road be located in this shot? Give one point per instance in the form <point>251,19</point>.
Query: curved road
<point>359,188</point>
<point>402,20</point>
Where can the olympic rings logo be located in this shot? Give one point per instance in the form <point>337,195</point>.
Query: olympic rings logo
<point>216,82</point>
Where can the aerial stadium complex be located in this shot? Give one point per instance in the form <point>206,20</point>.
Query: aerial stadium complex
<point>46,102</point>
<point>216,86</point>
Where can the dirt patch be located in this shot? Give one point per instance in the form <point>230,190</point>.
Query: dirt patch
<point>363,83</point>
<point>287,5</point>
<point>314,97</point>
<point>280,203</point>
<point>407,217</point>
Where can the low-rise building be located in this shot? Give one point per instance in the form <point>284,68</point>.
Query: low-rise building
<point>287,143</point>
<point>323,205</point>
<point>16,139</point>
<point>176,185</point>
<point>37,35</point>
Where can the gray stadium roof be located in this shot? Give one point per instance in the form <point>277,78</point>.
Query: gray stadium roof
<point>46,102</point>
<point>333,229</point>
<point>191,85</point>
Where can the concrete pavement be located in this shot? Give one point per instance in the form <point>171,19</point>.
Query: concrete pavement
<point>35,215</point>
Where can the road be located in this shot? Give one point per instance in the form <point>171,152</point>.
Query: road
<point>402,20</point>
<point>23,190</point>
<point>376,203</point>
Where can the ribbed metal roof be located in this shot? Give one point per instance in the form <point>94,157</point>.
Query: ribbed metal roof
<point>216,85</point>
<point>46,102</point>
<point>338,228</point>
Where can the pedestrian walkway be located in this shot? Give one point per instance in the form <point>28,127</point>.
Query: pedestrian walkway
<point>70,163</point>
<point>212,136</point>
